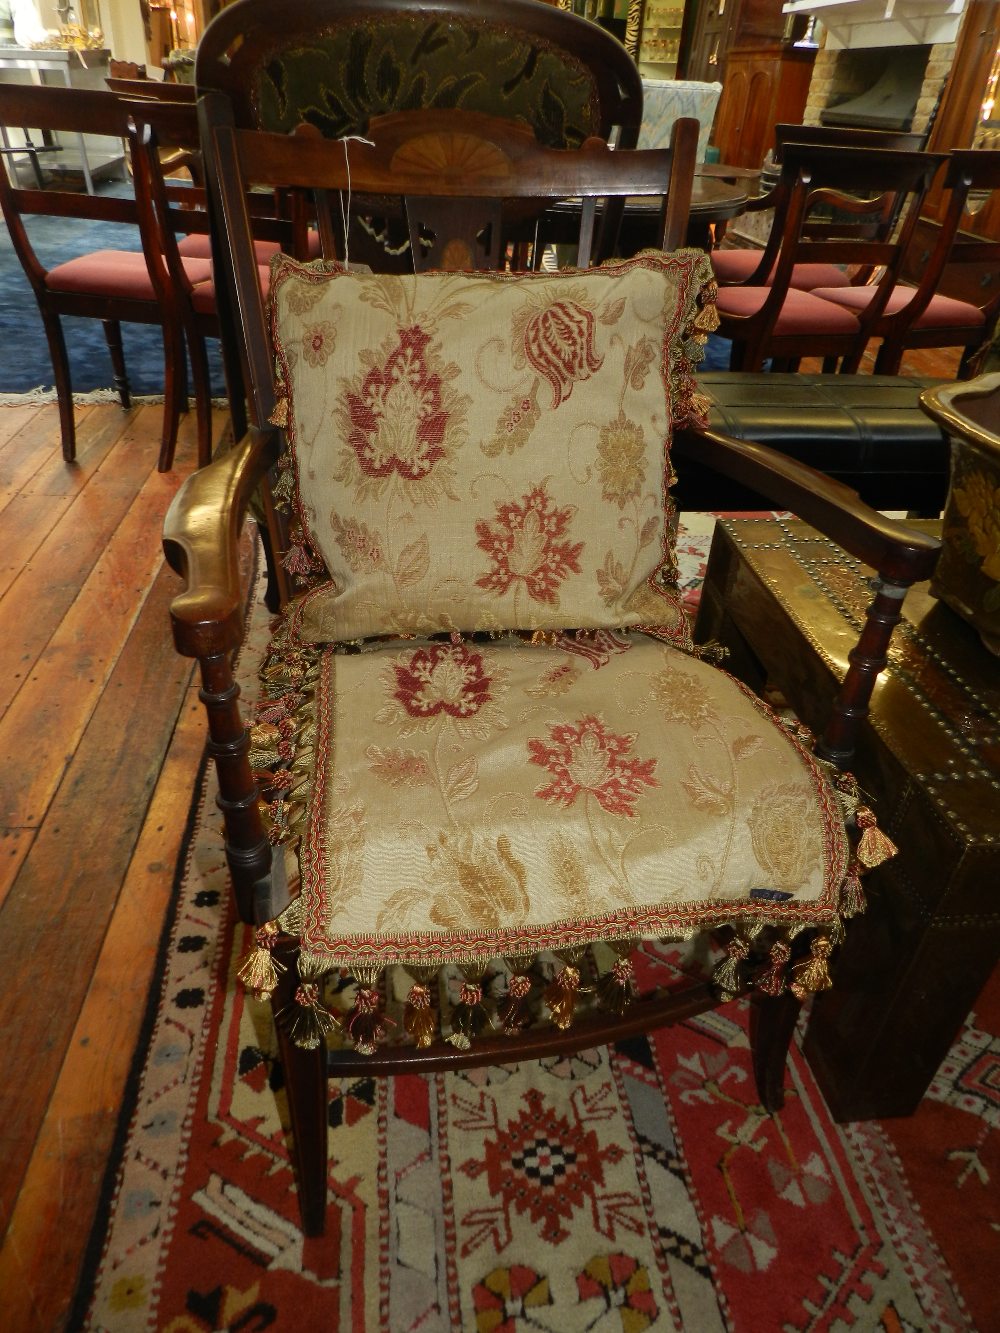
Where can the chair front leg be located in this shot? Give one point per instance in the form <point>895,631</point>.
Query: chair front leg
<point>64,386</point>
<point>889,359</point>
<point>174,394</point>
<point>308,1095</point>
<point>772,1025</point>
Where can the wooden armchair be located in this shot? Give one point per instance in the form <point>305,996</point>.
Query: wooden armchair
<point>837,201</point>
<point>487,761</point>
<point>754,267</point>
<point>924,316</point>
<point>175,212</point>
<point>112,285</point>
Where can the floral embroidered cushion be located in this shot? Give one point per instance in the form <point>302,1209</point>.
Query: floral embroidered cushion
<point>488,451</point>
<point>469,801</point>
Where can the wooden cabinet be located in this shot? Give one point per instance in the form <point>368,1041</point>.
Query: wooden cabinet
<point>760,87</point>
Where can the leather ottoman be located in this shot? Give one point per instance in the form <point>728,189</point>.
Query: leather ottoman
<point>867,431</point>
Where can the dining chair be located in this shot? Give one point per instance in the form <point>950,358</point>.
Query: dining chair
<point>161,133</point>
<point>755,267</point>
<point>923,315</point>
<point>487,762</point>
<point>837,198</point>
<point>112,285</point>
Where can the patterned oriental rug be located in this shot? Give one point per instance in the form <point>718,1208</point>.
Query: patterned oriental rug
<point>632,1188</point>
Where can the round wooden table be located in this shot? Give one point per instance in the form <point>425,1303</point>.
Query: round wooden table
<point>715,199</point>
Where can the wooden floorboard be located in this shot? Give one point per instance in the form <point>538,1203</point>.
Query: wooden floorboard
<point>100,740</point>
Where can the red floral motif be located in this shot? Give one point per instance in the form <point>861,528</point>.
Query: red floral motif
<point>587,757</point>
<point>444,678</point>
<point>559,345</point>
<point>398,423</point>
<point>524,545</point>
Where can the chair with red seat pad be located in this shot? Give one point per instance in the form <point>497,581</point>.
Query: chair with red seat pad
<point>924,316</point>
<point>830,190</point>
<point>112,285</point>
<point>755,267</point>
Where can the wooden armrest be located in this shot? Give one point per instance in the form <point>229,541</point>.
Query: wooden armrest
<point>200,534</point>
<point>899,556</point>
<point>897,552</point>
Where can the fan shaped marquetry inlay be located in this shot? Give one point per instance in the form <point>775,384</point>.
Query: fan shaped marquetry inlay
<point>461,155</point>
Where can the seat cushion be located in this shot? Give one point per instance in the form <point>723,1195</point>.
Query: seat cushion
<point>942,312</point>
<point>801,312</point>
<point>738,265</point>
<point>199,246</point>
<point>481,451</point>
<point>113,273</point>
<point>486,800</point>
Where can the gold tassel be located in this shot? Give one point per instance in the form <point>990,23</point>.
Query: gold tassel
<point>772,980</point>
<point>264,741</point>
<point>547,637</point>
<point>813,973</point>
<point>560,996</point>
<point>258,969</point>
<point>874,847</point>
<point>364,1022</point>
<point>312,1021</point>
<point>616,989</point>
<point>279,416</point>
<point>512,1010</point>
<point>468,1017</point>
<point>706,320</point>
<point>726,977</point>
<point>852,895</point>
<point>418,1017</point>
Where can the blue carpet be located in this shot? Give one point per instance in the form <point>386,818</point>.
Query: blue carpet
<point>24,358</point>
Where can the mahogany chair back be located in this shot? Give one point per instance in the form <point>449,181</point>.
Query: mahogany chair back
<point>754,268</point>
<point>161,133</point>
<point>337,63</point>
<point>830,136</point>
<point>928,317</point>
<point>112,285</point>
<point>837,199</point>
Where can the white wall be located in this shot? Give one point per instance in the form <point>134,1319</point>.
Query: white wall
<point>122,24</point>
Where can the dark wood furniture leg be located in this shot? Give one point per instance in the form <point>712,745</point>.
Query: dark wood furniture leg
<point>308,1097</point>
<point>912,966</point>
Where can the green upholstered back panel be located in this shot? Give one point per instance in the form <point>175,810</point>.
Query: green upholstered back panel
<point>372,66</point>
